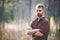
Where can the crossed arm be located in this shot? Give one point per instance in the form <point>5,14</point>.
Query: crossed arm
<point>35,32</point>
<point>40,32</point>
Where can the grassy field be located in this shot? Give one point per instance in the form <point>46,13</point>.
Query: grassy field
<point>18,32</point>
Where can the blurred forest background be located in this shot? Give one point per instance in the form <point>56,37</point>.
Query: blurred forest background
<point>16,16</point>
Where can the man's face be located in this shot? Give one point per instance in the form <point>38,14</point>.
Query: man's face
<point>40,11</point>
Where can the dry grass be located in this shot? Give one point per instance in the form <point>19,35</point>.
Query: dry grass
<point>17,32</point>
<point>14,32</point>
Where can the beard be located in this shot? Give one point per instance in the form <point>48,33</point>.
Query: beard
<point>39,15</point>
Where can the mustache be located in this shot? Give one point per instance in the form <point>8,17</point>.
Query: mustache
<point>39,15</point>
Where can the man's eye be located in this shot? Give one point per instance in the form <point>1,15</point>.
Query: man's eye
<point>39,10</point>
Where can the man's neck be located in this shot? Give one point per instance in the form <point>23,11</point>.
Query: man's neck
<point>40,18</point>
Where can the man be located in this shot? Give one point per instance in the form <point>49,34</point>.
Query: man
<point>40,26</point>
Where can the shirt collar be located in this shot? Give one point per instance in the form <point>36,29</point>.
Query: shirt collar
<point>40,18</point>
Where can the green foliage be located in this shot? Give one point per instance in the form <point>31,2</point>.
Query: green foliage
<point>8,11</point>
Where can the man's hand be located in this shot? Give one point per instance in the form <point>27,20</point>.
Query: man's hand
<point>30,32</point>
<point>38,34</point>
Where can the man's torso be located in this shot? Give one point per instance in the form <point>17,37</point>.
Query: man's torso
<point>37,24</point>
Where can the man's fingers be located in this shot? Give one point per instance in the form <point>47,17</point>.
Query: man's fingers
<point>38,34</point>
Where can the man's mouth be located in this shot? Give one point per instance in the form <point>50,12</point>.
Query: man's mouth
<point>39,15</point>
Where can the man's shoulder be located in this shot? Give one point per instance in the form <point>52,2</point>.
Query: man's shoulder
<point>34,20</point>
<point>46,20</point>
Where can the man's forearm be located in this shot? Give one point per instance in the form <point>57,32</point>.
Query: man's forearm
<point>30,32</point>
<point>36,32</point>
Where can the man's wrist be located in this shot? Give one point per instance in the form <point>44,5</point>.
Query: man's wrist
<point>34,33</point>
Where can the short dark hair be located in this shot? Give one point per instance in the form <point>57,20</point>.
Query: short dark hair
<point>39,6</point>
